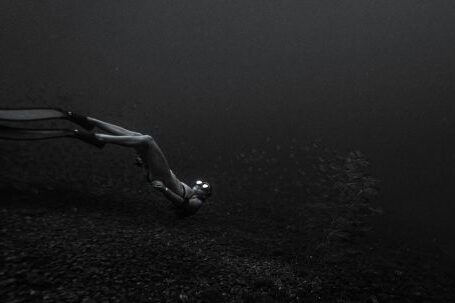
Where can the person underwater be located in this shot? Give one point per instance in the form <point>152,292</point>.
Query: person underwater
<point>186,200</point>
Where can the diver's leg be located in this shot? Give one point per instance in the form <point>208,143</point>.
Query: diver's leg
<point>88,137</point>
<point>89,123</point>
<point>150,153</point>
<point>111,128</point>
<point>79,120</point>
<point>128,141</point>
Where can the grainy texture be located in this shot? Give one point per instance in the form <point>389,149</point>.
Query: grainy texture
<point>105,242</point>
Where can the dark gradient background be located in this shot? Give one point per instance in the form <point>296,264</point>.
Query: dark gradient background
<point>375,76</point>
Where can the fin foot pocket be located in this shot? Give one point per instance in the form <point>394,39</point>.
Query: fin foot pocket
<point>89,138</point>
<point>80,120</point>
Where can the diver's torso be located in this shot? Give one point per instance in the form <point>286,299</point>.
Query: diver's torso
<point>183,190</point>
<point>187,191</point>
<point>186,209</point>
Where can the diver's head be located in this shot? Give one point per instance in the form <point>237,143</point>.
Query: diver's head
<point>202,189</point>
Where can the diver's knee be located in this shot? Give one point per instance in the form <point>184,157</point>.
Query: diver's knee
<point>147,139</point>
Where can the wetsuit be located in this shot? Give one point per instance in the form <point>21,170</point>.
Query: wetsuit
<point>186,210</point>
<point>183,209</point>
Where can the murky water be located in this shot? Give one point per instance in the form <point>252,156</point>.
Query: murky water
<point>217,76</point>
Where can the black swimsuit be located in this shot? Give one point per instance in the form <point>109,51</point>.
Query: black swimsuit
<point>185,210</point>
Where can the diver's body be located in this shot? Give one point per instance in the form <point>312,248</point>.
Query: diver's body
<point>185,199</point>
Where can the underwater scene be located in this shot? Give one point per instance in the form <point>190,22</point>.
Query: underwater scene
<point>227,151</point>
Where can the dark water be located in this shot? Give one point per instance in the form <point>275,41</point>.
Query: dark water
<point>376,76</point>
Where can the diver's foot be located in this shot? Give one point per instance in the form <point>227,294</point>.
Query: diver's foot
<point>80,120</point>
<point>88,138</point>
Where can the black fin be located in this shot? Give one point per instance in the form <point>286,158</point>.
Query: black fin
<point>14,133</point>
<point>89,138</point>
<point>80,120</point>
<point>31,114</point>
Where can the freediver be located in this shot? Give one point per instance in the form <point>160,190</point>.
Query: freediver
<point>186,200</point>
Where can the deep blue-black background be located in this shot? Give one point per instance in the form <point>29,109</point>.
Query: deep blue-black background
<point>375,76</point>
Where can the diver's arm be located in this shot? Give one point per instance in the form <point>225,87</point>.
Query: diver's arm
<point>175,199</point>
<point>168,193</point>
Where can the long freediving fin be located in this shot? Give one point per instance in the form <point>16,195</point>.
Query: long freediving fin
<point>13,133</point>
<point>27,134</point>
<point>36,114</point>
<point>31,114</point>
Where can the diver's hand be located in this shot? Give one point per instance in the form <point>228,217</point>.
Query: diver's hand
<point>159,185</point>
<point>139,162</point>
